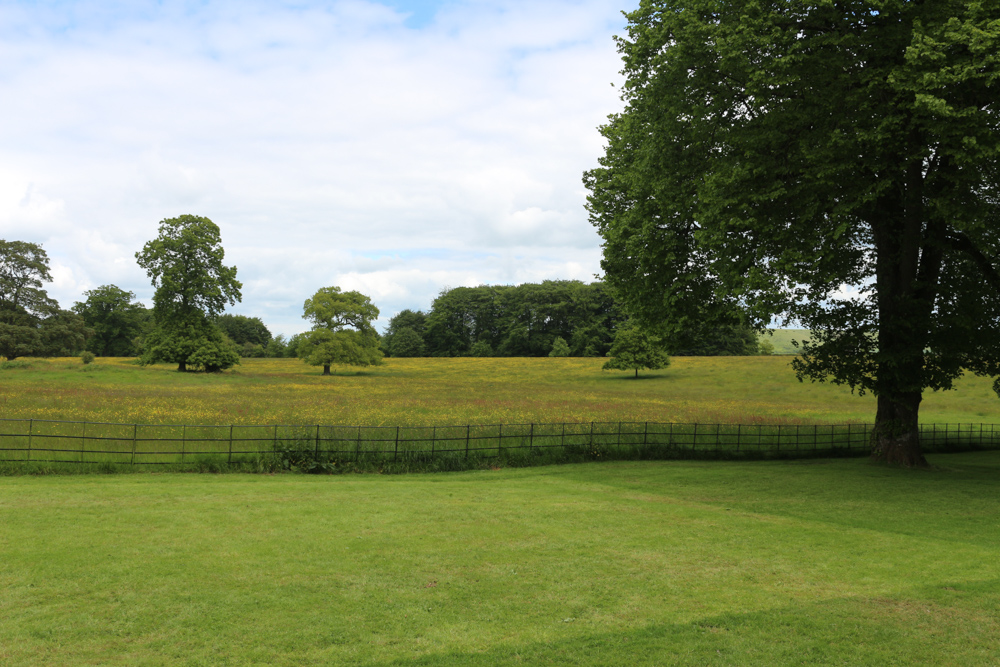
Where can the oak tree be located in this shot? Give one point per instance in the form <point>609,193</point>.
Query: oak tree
<point>342,331</point>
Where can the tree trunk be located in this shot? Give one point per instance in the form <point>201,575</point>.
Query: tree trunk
<point>182,367</point>
<point>908,267</point>
<point>896,436</point>
<point>326,369</point>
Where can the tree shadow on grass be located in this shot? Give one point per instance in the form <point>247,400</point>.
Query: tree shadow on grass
<point>890,629</point>
<point>630,377</point>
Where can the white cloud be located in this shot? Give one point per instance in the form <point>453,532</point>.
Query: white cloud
<point>329,142</point>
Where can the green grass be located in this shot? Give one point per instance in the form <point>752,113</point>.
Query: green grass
<point>782,339</point>
<point>436,392</point>
<point>769,563</point>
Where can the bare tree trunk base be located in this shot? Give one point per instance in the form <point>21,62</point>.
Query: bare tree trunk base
<point>326,370</point>
<point>896,436</point>
<point>903,451</point>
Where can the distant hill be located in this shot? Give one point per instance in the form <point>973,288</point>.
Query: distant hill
<point>782,339</point>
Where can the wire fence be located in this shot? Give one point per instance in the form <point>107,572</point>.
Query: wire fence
<point>150,444</point>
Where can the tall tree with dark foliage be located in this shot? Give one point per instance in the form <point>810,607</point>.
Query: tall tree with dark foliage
<point>835,163</point>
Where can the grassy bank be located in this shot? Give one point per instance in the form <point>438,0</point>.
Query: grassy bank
<point>673,562</point>
<point>455,391</point>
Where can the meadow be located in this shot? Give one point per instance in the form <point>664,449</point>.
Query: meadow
<point>446,391</point>
<point>620,563</point>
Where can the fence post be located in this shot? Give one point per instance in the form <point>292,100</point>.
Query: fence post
<point>739,432</point>
<point>619,443</point>
<point>31,424</point>
<point>467,429</point>
<point>135,430</point>
<point>591,434</point>
<point>531,436</point>
<point>694,438</point>
<point>230,443</point>
<point>317,439</point>
<point>562,438</point>
<point>183,440</point>
<point>499,442</point>
<point>395,453</point>
<point>83,441</point>
<point>274,442</point>
<point>434,435</point>
<point>357,450</point>
<point>645,432</point>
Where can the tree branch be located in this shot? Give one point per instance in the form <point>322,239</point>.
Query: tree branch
<point>961,242</point>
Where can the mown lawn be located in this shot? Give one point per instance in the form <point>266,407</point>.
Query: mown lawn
<point>455,391</point>
<point>770,563</point>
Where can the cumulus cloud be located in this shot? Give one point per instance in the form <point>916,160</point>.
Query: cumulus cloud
<point>394,147</point>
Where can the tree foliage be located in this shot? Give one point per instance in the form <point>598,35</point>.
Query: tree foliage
<point>116,318</point>
<point>560,348</point>
<point>342,332</point>
<point>635,349</point>
<point>24,268</point>
<point>521,320</point>
<point>31,324</point>
<point>412,321</point>
<point>727,340</point>
<point>833,163</point>
<point>195,344</point>
<point>244,330</point>
<point>185,263</point>
<point>406,342</point>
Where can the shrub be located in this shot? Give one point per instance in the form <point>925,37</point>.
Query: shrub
<point>86,357</point>
<point>560,348</point>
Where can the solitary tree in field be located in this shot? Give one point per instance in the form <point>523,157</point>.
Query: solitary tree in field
<point>342,332</point>
<point>633,349</point>
<point>835,163</point>
<point>185,263</point>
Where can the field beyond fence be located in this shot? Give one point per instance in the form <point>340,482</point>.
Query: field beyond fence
<point>152,444</point>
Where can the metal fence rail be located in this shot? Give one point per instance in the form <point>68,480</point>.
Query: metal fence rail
<point>150,444</point>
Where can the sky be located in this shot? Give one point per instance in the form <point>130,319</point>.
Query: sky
<point>395,147</point>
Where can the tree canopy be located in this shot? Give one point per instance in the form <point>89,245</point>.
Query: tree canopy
<point>31,324</point>
<point>635,349</point>
<point>835,164</point>
<point>342,332</point>
<point>521,320</point>
<point>193,285</point>
<point>116,318</point>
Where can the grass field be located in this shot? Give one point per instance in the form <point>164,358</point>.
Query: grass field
<point>782,339</point>
<point>455,391</point>
<point>767,563</point>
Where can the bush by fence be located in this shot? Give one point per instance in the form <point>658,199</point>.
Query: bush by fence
<point>43,441</point>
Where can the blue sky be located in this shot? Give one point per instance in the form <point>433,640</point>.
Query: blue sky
<point>393,147</point>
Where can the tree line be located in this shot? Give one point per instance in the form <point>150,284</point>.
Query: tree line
<point>186,324</point>
<point>552,318</point>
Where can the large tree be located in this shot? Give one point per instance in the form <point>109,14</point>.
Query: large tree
<point>30,322</point>
<point>116,318</point>
<point>342,332</point>
<point>193,286</point>
<point>834,163</point>
<point>24,267</point>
